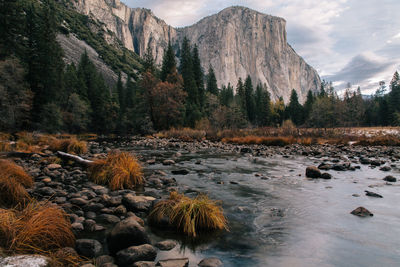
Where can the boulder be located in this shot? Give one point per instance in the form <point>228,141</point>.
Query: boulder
<point>137,203</point>
<point>184,262</point>
<point>210,262</point>
<point>125,234</point>
<point>362,212</point>
<point>313,172</point>
<point>89,248</point>
<point>127,257</point>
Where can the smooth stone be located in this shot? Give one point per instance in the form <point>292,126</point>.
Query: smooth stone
<point>54,166</point>
<point>166,245</point>
<point>89,248</point>
<point>313,172</point>
<point>137,203</point>
<point>184,262</point>
<point>372,194</point>
<point>108,218</point>
<point>326,176</point>
<point>133,254</point>
<point>390,178</point>
<point>210,262</point>
<point>125,234</point>
<point>362,212</point>
<point>168,162</point>
<point>144,264</point>
<point>102,260</point>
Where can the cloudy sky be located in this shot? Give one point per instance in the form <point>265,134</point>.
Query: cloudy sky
<point>356,41</point>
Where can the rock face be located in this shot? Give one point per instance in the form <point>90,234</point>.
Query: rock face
<point>237,42</point>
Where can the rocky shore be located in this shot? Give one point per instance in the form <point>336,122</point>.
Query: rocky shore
<point>111,226</point>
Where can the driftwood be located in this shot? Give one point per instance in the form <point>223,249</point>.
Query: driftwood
<point>77,159</point>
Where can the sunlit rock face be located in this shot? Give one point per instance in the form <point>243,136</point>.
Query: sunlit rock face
<point>237,42</point>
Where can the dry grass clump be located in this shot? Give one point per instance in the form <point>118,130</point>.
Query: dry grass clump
<point>190,216</point>
<point>383,140</point>
<point>120,170</point>
<point>38,228</point>
<point>70,145</point>
<point>13,183</point>
<point>5,146</point>
<point>268,140</point>
<point>184,134</point>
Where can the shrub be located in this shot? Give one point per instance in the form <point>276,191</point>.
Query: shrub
<point>70,145</point>
<point>184,134</point>
<point>190,216</point>
<point>38,228</point>
<point>120,170</point>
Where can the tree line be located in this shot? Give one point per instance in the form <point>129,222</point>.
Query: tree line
<point>38,91</point>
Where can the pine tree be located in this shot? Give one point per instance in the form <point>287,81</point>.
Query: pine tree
<point>212,86</point>
<point>11,27</point>
<point>295,110</point>
<point>169,62</point>
<point>249,98</point>
<point>149,64</point>
<point>226,95</point>
<point>198,76</point>
<point>241,96</point>
<point>308,104</point>
<point>262,106</point>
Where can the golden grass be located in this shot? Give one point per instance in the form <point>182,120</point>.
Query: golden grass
<point>38,228</point>
<point>384,140</point>
<point>70,145</point>
<point>8,167</point>
<point>184,134</point>
<point>269,140</point>
<point>190,216</point>
<point>5,146</point>
<point>13,181</point>
<point>120,170</point>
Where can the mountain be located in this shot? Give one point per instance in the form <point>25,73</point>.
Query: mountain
<point>237,42</point>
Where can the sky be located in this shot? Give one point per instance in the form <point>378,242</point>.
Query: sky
<point>346,41</point>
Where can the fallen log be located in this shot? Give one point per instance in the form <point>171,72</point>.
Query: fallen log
<point>77,159</point>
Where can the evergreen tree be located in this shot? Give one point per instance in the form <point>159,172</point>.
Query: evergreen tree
<point>193,112</point>
<point>295,110</point>
<point>212,86</point>
<point>249,96</point>
<point>11,27</point>
<point>169,62</point>
<point>198,76</point>
<point>241,96</point>
<point>121,94</point>
<point>262,106</point>
<point>149,64</point>
<point>308,105</point>
<point>226,95</point>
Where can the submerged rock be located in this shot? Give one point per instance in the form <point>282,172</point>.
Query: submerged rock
<point>372,194</point>
<point>184,262</point>
<point>362,212</point>
<point>326,176</point>
<point>390,178</point>
<point>137,203</point>
<point>210,262</point>
<point>166,244</point>
<point>313,172</point>
<point>133,254</point>
<point>180,172</point>
<point>89,248</point>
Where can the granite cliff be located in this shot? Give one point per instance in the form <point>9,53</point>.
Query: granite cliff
<point>237,42</point>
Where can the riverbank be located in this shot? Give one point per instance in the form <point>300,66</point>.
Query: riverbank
<point>95,211</point>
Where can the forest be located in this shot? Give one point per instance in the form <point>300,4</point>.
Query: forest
<point>40,92</point>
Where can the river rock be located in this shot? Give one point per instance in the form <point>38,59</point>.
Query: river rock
<point>25,261</point>
<point>144,264</point>
<point>108,218</point>
<point>372,194</point>
<point>168,162</point>
<point>362,212</point>
<point>210,262</point>
<point>184,262</point>
<point>137,203</point>
<point>180,172</point>
<point>102,260</point>
<point>53,166</point>
<point>89,248</point>
<point>390,178</point>
<point>166,244</point>
<point>313,172</point>
<point>385,168</point>
<point>133,254</point>
<point>125,234</point>
<point>326,176</point>
<point>245,150</point>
